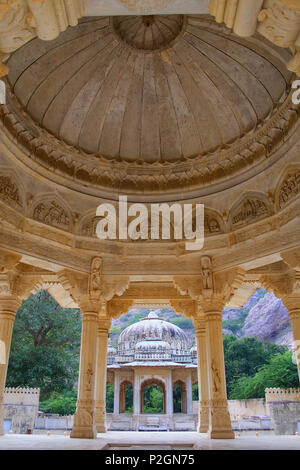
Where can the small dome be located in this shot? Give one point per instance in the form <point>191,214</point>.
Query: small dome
<point>193,351</point>
<point>111,351</point>
<point>155,329</point>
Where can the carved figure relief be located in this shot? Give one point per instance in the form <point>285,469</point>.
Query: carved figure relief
<point>279,23</point>
<point>51,213</point>
<point>9,191</point>
<point>89,377</point>
<point>289,188</point>
<point>95,278</point>
<point>207,276</point>
<point>215,377</point>
<point>16,25</point>
<point>248,211</point>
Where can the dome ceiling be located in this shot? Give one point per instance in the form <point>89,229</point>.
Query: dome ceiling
<point>151,89</point>
<point>148,105</point>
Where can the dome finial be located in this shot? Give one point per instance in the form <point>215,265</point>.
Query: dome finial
<point>152,314</point>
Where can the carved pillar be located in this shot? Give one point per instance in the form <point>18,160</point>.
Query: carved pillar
<point>84,419</point>
<point>100,396</point>
<point>295,322</point>
<point>203,385</point>
<point>8,308</point>
<point>136,394</point>
<point>292,303</point>
<point>219,422</point>
<point>117,393</point>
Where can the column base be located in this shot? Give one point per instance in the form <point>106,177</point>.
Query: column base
<point>84,426</point>
<point>84,433</point>
<point>203,420</point>
<point>101,428</point>
<point>220,423</point>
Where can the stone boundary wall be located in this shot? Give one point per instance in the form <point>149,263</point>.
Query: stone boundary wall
<point>54,422</point>
<point>285,417</point>
<point>240,409</point>
<point>282,395</point>
<point>20,408</point>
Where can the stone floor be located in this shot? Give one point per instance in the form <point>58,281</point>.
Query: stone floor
<point>114,440</point>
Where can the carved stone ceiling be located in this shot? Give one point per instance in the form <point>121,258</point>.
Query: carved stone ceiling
<point>173,96</point>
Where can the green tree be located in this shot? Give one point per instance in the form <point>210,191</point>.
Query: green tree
<point>243,357</point>
<point>129,399</point>
<point>195,392</point>
<point>177,399</point>
<point>60,403</point>
<point>280,372</point>
<point>45,346</point>
<point>153,399</point>
<point>109,398</point>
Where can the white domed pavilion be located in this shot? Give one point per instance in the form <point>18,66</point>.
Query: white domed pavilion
<point>150,352</point>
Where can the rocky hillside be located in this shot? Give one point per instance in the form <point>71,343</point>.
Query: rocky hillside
<point>263,317</point>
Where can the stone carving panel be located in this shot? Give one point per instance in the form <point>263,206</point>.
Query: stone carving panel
<point>50,212</point>
<point>9,192</point>
<point>249,210</point>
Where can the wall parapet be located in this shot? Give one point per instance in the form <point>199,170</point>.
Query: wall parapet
<point>282,394</point>
<point>21,396</point>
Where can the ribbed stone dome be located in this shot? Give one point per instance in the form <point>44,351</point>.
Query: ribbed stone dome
<point>148,89</point>
<point>152,332</point>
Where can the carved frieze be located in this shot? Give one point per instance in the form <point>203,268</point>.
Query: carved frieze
<point>248,211</point>
<point>50,212</point>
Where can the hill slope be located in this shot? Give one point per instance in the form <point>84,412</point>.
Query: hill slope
<point>263,317</point>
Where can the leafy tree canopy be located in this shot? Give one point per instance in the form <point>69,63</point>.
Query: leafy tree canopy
<point>243,357</point>
<point>280,372</point>
<point>45,346</point>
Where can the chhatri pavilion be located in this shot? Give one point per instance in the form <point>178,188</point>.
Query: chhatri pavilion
<point>162,101</point>
<point>152,352</point>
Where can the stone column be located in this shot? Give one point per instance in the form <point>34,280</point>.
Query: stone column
<point>8,308</point>
<point>169,394</point>
<point>117,393</point>
<point>100,395</point>
<point>219,422</point>
<point>292,303</point>
<point>84,419</point>
<point>136,394</point>
<point>295,322</point>
<point>189,394</point>
<point>203,376</point>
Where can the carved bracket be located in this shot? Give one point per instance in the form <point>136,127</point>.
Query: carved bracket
<point>22,20</point>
